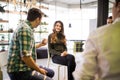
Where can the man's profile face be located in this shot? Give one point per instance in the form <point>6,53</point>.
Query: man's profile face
<point>37,22</point>
<point>109,21</point>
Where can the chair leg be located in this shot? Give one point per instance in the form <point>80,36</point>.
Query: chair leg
<point>65,73</point>
<point>58,72</point>
<point>1,74</point>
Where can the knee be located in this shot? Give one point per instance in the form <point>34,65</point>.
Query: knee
<point>71,57</point>
<point>51,73</point>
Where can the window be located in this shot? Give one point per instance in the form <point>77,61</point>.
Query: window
<point>78,46</point>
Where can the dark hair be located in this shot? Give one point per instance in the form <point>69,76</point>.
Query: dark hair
<point>34,13</point>
<point>110,17</point>
<point>117,1</point>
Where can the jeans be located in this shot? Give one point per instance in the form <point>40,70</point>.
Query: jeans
<point>68,60</point>
<point>28,75</point>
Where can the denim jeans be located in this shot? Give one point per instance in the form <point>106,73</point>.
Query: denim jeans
<point>28,75</point>
<point>69,61</point>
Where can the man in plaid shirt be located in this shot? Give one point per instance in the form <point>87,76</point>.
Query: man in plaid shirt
<point>22,51</point>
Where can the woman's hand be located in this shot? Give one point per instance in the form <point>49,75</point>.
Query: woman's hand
<point>64,53</point>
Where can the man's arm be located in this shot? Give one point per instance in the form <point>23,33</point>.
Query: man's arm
<point>43,43</point>
<point>26,48</point>
<point>32,64</point>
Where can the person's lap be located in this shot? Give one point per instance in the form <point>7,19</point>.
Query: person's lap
<point>32,75</point>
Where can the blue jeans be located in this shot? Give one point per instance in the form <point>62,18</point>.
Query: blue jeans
<point>69,61</point>
<point>27,75</point>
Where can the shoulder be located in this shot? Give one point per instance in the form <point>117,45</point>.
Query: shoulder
<point>100,30</point>
<point>23,28</point>
<point>50,35</point>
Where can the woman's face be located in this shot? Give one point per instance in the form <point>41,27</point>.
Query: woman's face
<point>57,27</point>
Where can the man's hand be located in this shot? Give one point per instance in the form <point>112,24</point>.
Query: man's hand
<point>44,42</point>
<point>43,71</point>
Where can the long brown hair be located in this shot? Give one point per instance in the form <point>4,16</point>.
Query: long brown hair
<point>55,36</point>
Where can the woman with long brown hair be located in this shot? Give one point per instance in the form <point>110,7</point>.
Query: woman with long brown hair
<point>58,50</point>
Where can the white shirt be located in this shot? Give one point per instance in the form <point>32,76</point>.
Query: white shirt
<point>101,55</point>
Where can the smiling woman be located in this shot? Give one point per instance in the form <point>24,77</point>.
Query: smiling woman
<point>57,47</point>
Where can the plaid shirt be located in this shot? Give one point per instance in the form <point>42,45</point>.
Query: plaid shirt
<point>22,44</point>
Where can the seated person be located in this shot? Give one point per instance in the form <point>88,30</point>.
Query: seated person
<point>109,20</point>
<point>58,50</point>
<point>22,55</point>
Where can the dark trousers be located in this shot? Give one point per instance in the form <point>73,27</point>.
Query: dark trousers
<point>28,75</point>
<point>68,60</point>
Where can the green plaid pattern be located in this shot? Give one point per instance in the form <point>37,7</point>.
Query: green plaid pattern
<point>22,44</point>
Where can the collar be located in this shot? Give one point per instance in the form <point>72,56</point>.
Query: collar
<point>28,23</point>
<point>116,20</point>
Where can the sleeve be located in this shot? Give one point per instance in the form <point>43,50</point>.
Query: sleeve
<point>25,42</point>
<point>51,48</point>
<point>87,67</point>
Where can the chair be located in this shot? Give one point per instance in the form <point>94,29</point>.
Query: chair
<point>49,62</point>
<point>3,62</point>
<point>1,74</point>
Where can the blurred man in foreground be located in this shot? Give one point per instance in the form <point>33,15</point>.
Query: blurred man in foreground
<point>101,55</point>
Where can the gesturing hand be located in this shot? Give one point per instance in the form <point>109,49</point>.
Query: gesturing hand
<point>44,42</point>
